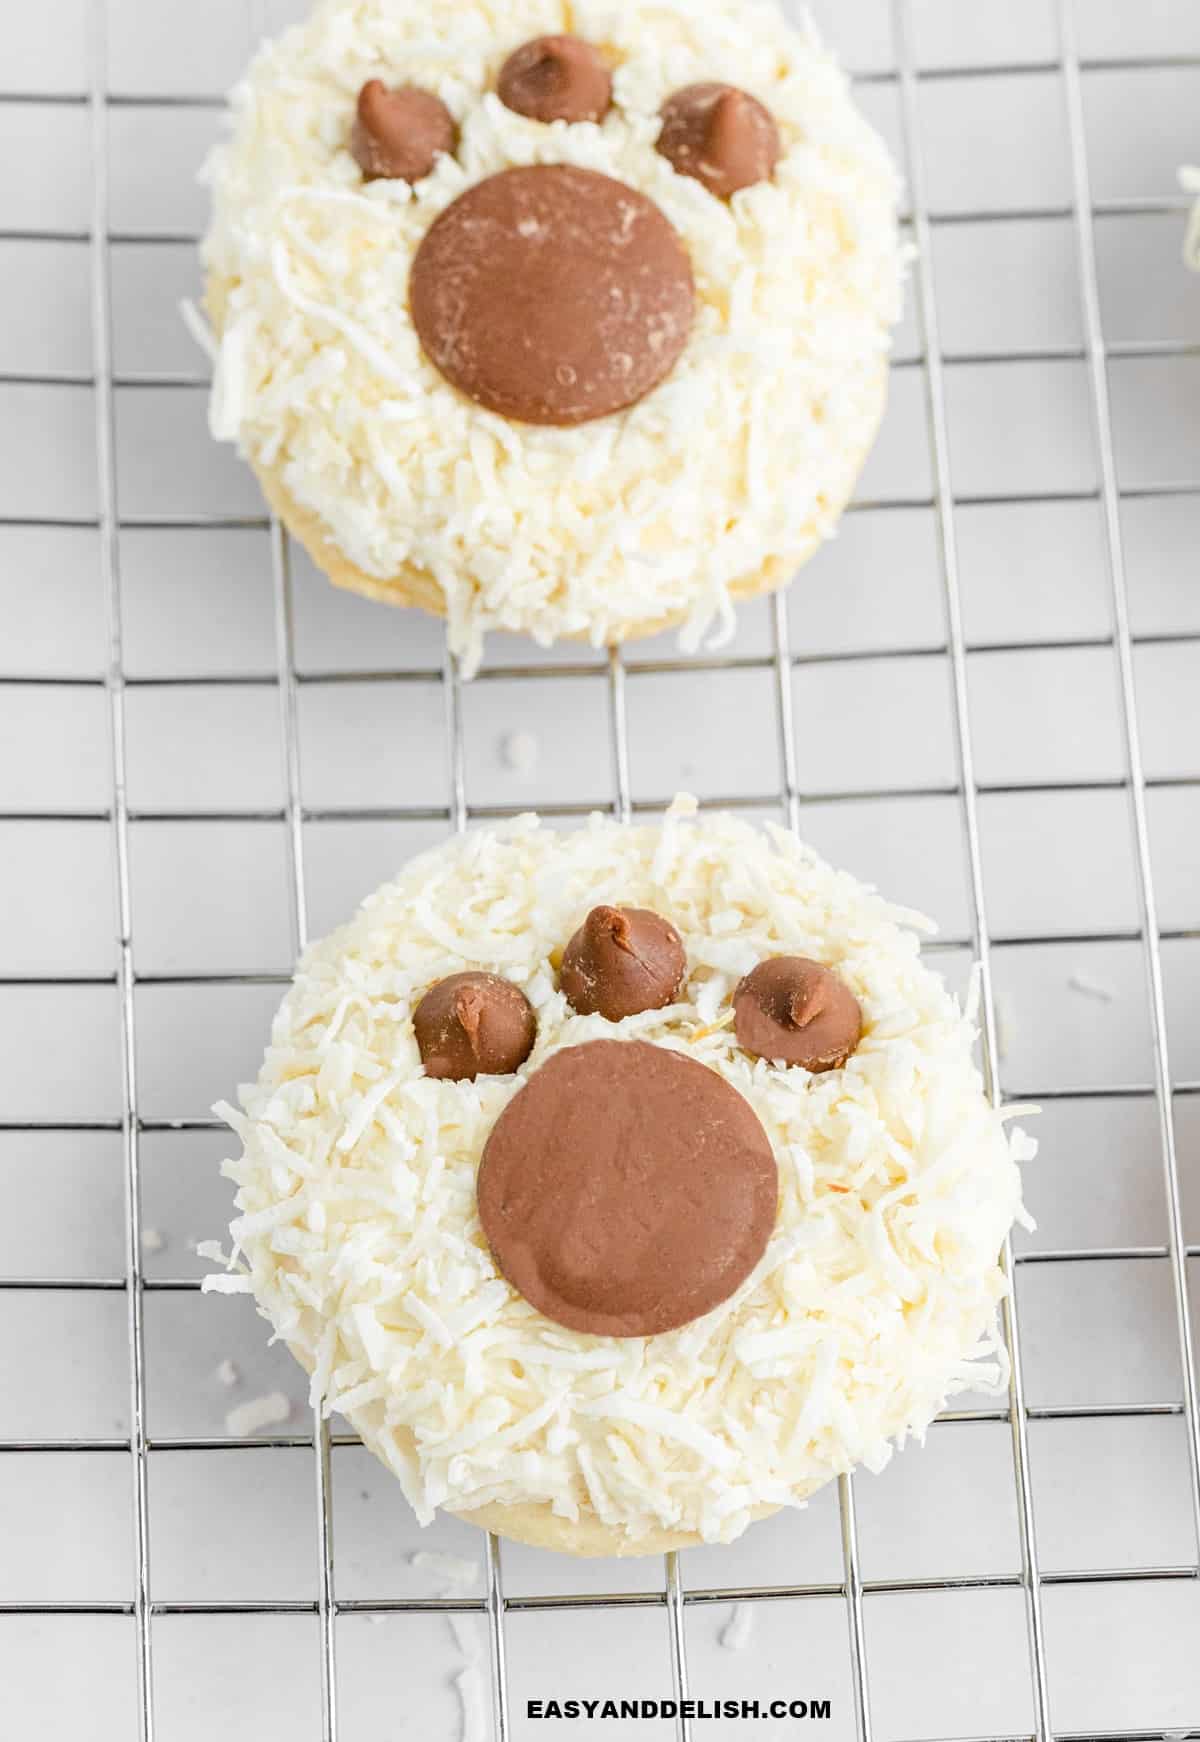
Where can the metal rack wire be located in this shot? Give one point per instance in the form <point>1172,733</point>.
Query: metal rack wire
<point>675,1599</point>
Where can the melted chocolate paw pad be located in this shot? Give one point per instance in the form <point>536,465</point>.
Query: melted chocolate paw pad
<point>551,294</point>
<point>628,1190</point>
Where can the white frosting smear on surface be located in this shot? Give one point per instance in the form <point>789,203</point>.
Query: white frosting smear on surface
<point>877,1298</point>
<point>736,461</point>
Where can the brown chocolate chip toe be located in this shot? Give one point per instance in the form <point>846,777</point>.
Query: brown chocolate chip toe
<point>626,1190</point>
<point>721,136</point>
<point>621,961</point>
<point>399,135</point>
<point>556,78</point>
<point>474,1025</point>
<point>795,1012</point>
<point>553,295</point>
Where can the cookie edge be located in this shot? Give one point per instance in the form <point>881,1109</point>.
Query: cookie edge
<point>414,587</point>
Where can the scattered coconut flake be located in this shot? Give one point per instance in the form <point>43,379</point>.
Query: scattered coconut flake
<point>735,1635</point>
<point>256,1414</point>
<point>521,752</point>
<point>448,1569</point>
<point>227,1284</point>
<point>199,328</point>
<point>453,1577</point>
<point>152,1240</point>
<point>1190,181</point>
<point>228,1375</point>
<point>1005,1030</point>
<point>1093,989</point>
<point>473,1720</point>
<point>466,1637</point>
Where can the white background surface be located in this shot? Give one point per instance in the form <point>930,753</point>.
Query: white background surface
<point>876,756</point>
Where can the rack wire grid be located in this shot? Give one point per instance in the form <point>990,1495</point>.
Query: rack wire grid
<point>984,694</point>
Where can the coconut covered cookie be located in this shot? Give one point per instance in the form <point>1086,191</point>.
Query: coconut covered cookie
<point>566,319</point>
<point>623,1186</point>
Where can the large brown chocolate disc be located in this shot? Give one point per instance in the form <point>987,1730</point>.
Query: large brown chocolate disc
<point>626,1190</point>
<point>553,295</point>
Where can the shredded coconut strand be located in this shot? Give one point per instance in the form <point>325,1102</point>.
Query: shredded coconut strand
<point>1093,989</point>
<point>259,1413</point>
<point>521,752</point>
<point>876,1301</point>
<point>448,1569</point>
<point>735,1635</point>
<point>735,462</point>
<point>468,1684</point>
<point>1190,181</point>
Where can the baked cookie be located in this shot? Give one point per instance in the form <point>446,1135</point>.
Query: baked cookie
<point>566,319</point>
<point>622,1186</point>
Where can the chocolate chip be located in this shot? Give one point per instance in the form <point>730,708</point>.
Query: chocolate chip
<point>795,1012</point>
<point>721,136</point>
<point>474,1025</point>
<point>556,78</point>
<point>399,135</point>
<point>553,295</point>
<point>621,961</point>
<point>626,1190</point>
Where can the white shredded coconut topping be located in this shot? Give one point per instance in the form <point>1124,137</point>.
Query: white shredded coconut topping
<point>228,1375</point>
<point>875,1302</point>
<point>733,463</point>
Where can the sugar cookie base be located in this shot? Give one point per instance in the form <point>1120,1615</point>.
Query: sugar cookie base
<point>584,1538</point>
<point>415,587</point>
<point>587,1538</point>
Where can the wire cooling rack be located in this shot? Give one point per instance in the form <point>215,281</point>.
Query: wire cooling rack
<point>1013,602</point>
